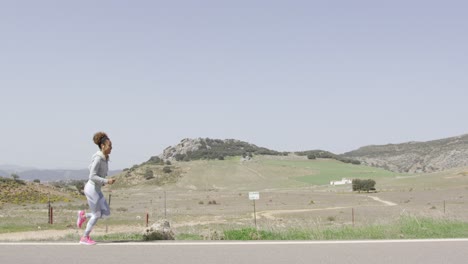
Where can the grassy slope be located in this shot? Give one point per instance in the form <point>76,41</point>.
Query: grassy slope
<point>19,192</point>
<point>270,172</point>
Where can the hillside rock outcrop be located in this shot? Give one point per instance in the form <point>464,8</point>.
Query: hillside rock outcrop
<point>415,157</point>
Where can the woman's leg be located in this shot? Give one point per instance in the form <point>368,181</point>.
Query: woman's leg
<point>94,205</point>
<point>105,210</point>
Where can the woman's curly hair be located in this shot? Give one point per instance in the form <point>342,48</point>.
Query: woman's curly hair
<point>99,138</point>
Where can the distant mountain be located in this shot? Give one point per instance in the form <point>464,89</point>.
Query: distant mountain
<point>10,168</point>
<point>205,148</point>
<point>415,157</point>
<point>54,175</point>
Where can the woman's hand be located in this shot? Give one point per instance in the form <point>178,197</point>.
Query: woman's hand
<point>110,181</point>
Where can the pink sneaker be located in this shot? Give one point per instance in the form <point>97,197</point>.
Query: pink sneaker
<point>86,240</point>
<point>81,218</point>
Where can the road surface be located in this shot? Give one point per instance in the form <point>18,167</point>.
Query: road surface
<point>252,252</point>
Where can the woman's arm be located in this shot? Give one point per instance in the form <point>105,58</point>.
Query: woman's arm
<point>93,171</point>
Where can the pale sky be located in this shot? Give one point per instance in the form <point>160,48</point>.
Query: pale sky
<point>286,75</point>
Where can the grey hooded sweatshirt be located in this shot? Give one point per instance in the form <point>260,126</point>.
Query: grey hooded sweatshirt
<point>98,170</point>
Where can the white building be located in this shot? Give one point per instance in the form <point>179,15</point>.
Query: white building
<point>342,182</point>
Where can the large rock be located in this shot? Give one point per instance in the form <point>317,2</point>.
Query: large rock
<point>160,230</point>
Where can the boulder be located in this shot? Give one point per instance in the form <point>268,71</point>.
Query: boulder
<point>160,230</point>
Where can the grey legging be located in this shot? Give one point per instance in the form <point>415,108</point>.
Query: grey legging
<point>97,204</point>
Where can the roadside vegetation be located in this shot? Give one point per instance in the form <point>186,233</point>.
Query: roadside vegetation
<point>406,228</point>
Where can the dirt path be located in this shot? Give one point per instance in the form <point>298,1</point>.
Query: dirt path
<point>61,234</point>
<point>254,171</point>
<point>382,201</point>
<point>270,213</point>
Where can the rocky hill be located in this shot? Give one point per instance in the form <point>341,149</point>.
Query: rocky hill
<point>205,148</point>
<point>415,157</point>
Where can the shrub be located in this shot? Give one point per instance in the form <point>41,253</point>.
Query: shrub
<point>149,174</point>
<point>180,157</point>
<point>155,160</point>
<point>167,169</point>
<point>15,176</point>
<point>37,181</point>
<point>79,186</point>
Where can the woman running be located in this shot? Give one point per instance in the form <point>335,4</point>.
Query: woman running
<point>96,201</point>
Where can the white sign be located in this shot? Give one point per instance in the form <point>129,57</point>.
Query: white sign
<point>254,195</point>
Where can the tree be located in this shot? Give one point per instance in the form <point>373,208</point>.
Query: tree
<point>363,185</point>
<point>357,185</point>
<point>369,185</point>
<point>37,181</point>
<point>15,176</point>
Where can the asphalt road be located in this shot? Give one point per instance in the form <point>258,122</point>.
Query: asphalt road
<point>297,252</point>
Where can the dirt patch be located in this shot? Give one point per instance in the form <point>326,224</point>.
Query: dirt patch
<point>382,201</point>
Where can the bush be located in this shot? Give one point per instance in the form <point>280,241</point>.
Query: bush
<point>37,181</point>
<point>15,176</point>
<point>149,174</point>
<point>155,160</point>
<point>79,186</point>
<point>167,169</point>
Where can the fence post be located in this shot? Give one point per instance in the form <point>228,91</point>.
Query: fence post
<point>352,212</point>
<point>51,215</point>
<point>48,209</point>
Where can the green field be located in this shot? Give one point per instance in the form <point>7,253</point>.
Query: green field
<point>265,172</point>
<point>331,170</point>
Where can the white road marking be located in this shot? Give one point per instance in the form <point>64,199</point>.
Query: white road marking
<point>236,243</point>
